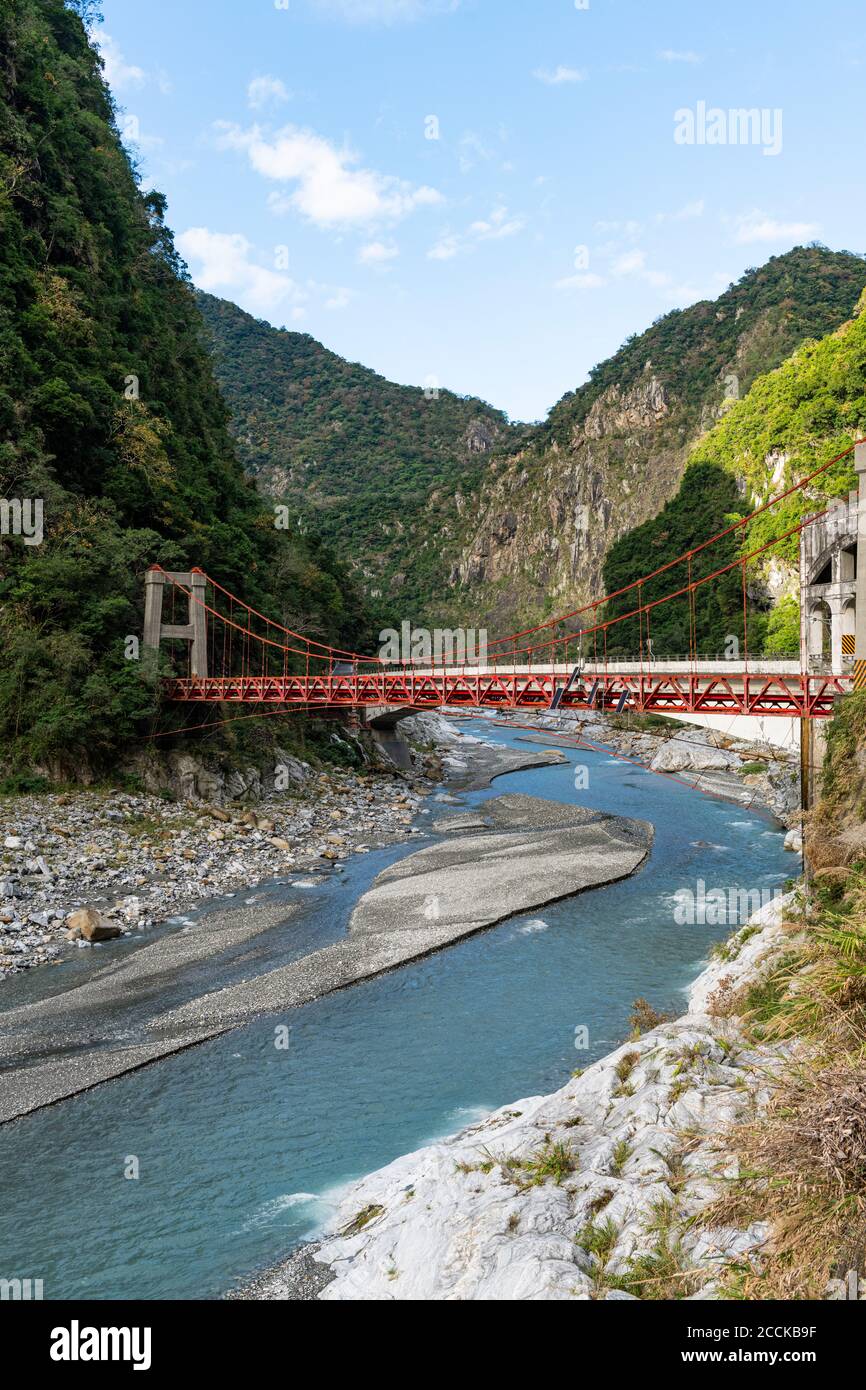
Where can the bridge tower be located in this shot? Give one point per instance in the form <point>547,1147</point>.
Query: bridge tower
<point>193,631</point>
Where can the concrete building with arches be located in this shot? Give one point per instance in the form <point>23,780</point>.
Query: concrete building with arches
<point>828,596</point>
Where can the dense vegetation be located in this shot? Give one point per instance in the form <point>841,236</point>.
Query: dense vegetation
<point>354,455</point>
<point>753,326</point>
<point>109,413</point>
<point>792,421</point>
<point>802,1163</point>
<point>397,482</point>
<point>706,504</point>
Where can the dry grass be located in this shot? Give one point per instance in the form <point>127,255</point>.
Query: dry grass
<point>803,1169</point>
<point>803,1164</point>
<point>643,1018</point>
<point>819,991</point>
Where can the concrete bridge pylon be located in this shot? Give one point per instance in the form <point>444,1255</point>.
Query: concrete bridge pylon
<point>193,631</point>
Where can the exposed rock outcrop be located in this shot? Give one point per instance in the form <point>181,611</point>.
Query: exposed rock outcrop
<point>588,1193</point>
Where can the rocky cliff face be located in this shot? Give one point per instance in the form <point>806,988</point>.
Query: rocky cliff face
<point>560,1197</point>
<point>450,514</point>
<point>544,524</point>
<point>533,537</point>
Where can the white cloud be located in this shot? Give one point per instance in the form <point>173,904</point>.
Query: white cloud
<point>446,248</point>
<point>226,263</point>
<point>676,55</point>
<point>634,263</point>
<point>378,253</point>
<point>266,91</point>
<point>558,75</point>
<point>496,227</point>
<point>683,214</point>
<point>758,227</point>
<point>119,74</point>
<point>629,263</point>
<point>223,263</point>
<point>385,11</point>
<point>586,281</point>
<point>622,266</point>
<point>329,189</point>
<point>339,299</point>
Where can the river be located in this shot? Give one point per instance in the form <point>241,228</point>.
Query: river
<point>240,1144</point>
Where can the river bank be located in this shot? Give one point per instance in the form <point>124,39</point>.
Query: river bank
<point>595,1191</point>
<point>759,775</point>
<point>499,1210</point>
<point>138,860</point>
<point>141,860</point>
<point>210,973</point>
<point>247,1141</point>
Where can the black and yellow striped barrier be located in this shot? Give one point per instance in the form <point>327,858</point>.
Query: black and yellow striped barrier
<point>860,675</point>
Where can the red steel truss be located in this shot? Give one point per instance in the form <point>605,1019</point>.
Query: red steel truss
<point>789,696</point>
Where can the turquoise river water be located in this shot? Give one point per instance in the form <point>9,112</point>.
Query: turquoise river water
<point>242,1145</point>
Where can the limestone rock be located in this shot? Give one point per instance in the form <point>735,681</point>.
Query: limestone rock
<point>853,843</point>
<point>470,1217</point>
<point>679,756</point>
<point>92,925</point>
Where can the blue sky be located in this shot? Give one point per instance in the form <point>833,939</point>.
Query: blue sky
<point>563,203</point>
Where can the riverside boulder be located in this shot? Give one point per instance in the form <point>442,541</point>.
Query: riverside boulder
<point>91,925</point>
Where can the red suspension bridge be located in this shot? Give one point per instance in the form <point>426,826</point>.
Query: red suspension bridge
<point>233,654</point>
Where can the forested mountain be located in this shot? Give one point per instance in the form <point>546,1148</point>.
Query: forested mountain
<point>109,414</point>
<point>805,293</point>
<point>111,417</point>
<point>793,420</point>
<point>354,455</point>
<point>450,513</point>
<point>611,455</point>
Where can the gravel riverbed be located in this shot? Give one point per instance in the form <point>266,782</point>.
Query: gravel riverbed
<point>141,859</point>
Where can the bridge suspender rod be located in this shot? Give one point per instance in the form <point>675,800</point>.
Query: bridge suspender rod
<point>745,623</point>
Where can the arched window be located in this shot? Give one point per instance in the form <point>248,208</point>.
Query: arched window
<point>820,631</point>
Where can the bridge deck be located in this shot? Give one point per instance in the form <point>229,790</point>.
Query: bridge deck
<point>736,689</point>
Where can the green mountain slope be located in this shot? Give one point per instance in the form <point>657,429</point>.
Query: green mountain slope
<point>447,512</point>
<point>792,421</point>
<point>536,537</point>
<point>354,455</point>
<point>109,414</point>
<point>805,293</point>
